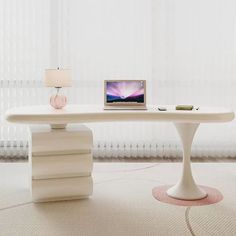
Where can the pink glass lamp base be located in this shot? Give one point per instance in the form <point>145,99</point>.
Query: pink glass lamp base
<point>58,101</point>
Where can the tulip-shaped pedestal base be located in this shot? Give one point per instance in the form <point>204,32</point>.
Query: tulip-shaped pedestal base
<point>186,188</point>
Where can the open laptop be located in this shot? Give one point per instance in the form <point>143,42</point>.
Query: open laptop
<point>124,94</point>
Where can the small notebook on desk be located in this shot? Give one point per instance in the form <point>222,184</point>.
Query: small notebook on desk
<point>184,107</point>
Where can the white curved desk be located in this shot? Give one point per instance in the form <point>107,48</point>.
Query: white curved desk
<point>186,123</point>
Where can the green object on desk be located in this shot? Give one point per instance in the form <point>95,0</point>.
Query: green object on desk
<point>184,107</point>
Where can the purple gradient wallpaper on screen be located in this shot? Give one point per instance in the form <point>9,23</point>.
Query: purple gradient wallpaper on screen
<point>125,91</point>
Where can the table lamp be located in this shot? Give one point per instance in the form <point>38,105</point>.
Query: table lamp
<point>58,78</point>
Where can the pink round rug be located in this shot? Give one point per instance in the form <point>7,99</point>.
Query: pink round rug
<point>213,196</point>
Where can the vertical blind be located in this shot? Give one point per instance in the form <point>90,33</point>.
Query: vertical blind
<point>24,52</point>
<point>184,49</point>
<point>194,62</point>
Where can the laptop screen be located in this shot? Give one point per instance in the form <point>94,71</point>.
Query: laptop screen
<point>122,92</point>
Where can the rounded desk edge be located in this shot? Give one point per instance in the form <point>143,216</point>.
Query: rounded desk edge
<point>19,115</point>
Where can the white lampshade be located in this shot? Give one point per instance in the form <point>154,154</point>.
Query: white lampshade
<point>57,78</point>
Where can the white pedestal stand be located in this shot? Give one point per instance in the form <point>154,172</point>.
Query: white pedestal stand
<point>186,188</point>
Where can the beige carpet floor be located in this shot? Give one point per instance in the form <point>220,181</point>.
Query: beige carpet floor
<point>122,203</point>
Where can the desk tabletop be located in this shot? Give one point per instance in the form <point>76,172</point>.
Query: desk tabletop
<point>45,114</point>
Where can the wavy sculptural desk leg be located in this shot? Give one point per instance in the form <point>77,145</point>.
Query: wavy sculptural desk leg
<point>186,188</point>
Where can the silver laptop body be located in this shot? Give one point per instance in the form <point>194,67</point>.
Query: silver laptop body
<point>125,95</point>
